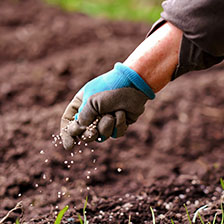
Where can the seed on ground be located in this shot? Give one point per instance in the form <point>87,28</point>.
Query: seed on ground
<point>119,170</point>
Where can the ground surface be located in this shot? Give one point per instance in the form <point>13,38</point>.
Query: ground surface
<point>173,155</point>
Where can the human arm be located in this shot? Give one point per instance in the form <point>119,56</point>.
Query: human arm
<point>169,51</point>
<point>118,96</point>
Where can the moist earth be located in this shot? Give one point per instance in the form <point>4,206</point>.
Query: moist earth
<point>173,155</point>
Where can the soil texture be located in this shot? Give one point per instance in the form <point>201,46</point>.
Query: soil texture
<point>172,156</point>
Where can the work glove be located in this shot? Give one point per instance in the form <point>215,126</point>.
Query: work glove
<point>105,106</point>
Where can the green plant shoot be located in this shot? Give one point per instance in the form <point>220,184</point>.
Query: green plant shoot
<point>189,219</point>
<point>199,215</point>
<point>84,213</point>
<point>129,219</point>
<point>222,213</point>
<point>60,215</point>
<point>153,216</point>
<point>222,183</point>
<point>214,218</point>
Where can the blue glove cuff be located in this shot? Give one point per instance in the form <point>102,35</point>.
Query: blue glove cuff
<point>136,79</point>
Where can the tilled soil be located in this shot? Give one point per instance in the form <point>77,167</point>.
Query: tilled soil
<point>173,155</point>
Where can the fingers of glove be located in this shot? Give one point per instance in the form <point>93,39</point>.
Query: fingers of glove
<point>128,99</point>
<point>87,115</point>
<point>67,117</point>
<point>105,127</point>
<point>73,107</point>
<point>120,125</point>
<point>89,135</point>
<point>74,129</point>
<point>67,140</point>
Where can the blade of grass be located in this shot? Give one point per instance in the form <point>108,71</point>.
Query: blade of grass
<point>153,216</point>
<point>84,213</point>
<point>222,183</point>
<point>17,221</point>
<point>172,222</point>
<point>214,218</point>
<point>222,214</point>
<point>129,219</point>
<point>197,213</point>
<point>60,215</point>
<point>84,210</point>
<point>80,219</point>
<point>189,219</point>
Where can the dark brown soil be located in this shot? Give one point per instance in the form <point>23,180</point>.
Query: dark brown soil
<point>173,155</point>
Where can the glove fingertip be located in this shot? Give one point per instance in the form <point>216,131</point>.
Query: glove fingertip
<point>68,142</point>
<point>89,135</point>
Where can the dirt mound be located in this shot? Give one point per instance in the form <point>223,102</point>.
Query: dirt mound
<point>171,156</point>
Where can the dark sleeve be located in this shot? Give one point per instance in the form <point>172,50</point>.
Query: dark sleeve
<point>202,23</point>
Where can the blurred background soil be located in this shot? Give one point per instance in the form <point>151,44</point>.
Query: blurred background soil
<point>173,155</point>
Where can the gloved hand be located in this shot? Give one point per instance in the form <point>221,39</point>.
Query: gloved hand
<point>116,99</point>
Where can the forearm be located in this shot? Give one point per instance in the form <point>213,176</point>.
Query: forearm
<point>156,58</point>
